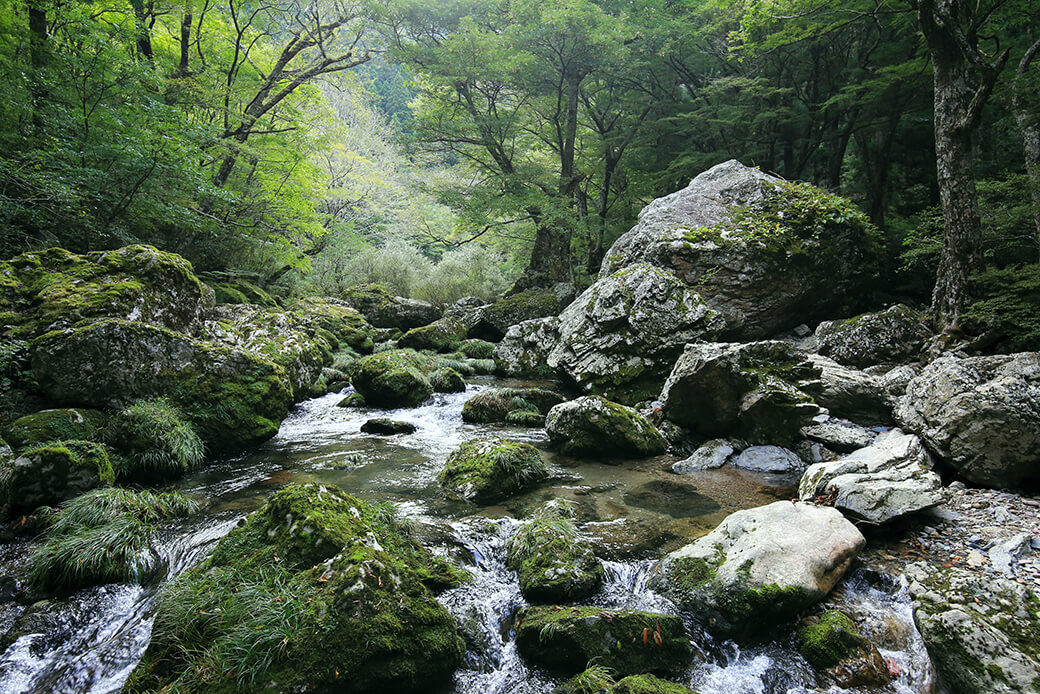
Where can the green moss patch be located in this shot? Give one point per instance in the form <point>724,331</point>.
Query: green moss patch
<point>554,562</point>
<point>395,378</point>
<point>54,425</point>
<point>52,472</point>
<point>488,470</point>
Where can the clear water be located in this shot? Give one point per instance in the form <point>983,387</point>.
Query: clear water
<point>91,641</point>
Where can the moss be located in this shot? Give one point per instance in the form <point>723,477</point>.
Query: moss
<point>352,400</point>
<point>625,641</point>
<point>487,470</point>
<point>396,378</point>
<point>348,326</point>
<point>525,418</point>
<point>477,349</point>
<point>496,405</point>
<point>595,426</point>
<point>53,472</point>
<point>444,335</point>
<point>830,640</point>
<point>447,381</point>
<point>359,619</point>
<point>554,562</point>
<point>648,684</point>
<point>52,425</point>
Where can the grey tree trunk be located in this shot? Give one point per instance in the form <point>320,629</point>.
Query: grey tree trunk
<point>1025,105</point>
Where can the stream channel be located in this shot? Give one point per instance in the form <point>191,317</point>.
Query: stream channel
<point>91,641</point>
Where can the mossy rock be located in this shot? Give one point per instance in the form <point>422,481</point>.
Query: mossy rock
<point>497,404</point>
<point>54,288</point>
<point>233,397</point>
<point>477,349</point>
<point>487,470</point>
<point>384,310</point>
<point>443,335</point>
<point>594,426</point>
<point>447,381</point>
<point>53,425</point>
<point>628,642</point>
<point>396,378</point>
<point>525,418</point>
<point>338,318</point>
<point>52,472</point>
<point>352,400</point>
<point>241,291</point>
<point>496,319</point>
<point>599,680</point>
<point>554,563</point>
<point>317,591</point>
<point>832,644</point>
<point>648,684</point>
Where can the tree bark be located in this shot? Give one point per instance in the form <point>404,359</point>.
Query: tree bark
<point>144,34</point>
<point>1024,105</point>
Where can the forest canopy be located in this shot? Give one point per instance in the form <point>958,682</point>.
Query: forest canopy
<point>456,147</point>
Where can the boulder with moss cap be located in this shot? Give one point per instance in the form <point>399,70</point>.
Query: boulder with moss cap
<point>594,426</point>
<point>395,378</point>
<point>53,425</point>
<point>765,254</point>
<point>383,310</point>
<point>760,566</point>
<point>317,590</point>
<point>554,562</point>
<point>52,472</point>
<point>488,470</point>
<point>894,336</point>
<point>831,643</point>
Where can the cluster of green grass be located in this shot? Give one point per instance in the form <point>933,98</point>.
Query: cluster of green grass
<point>156,439</point>
<point>104,536</point>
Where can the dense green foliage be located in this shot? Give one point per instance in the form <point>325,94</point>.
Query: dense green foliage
<point>156,440</point>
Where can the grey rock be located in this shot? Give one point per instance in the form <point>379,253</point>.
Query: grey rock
<point>621,336</point>
<point>494,320</point>
<point>981,415</point>
<point>893,336</point>
<point>896,380</point>
<point>710,456</point>
<point>843,437</point>
<point>594,426</point>
<point>768,459</point>
<point>758,391</point>
<point>760,566</point>
<point>888,479</point>
<point>526,346</point>
<point>851,393</point>
<point>758,288</point>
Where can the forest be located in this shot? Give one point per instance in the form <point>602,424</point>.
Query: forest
<point>466,147</point>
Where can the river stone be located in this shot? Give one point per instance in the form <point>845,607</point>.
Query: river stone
<point>387,427</point>
<point>888,479</point>
<point>851,393</point>
<point>767,459</point>
<point>496,319</point>
<point>765,254</point>
<point>497,404</point>
<point>621,336</point>
<point>710,456</point>
<point>757,391</point>
<point>760,566</point>
<point>442,335</point>
<point>53,425</point>
<point>51,473</point>
<point>350,588</point>
<point>981,415</point>
<point>894,336</point>
<point>233,397</point>
<point>594,426</point>
<point>555,564</point>
<point>566,639</point>
<point>524,351</point>
<point>384,310</point>
<point>54,289</point>
<point>488,470</point>
<point>395,378</point>
<point>981,630</point>
<point>594,680</point>
<point>843,437</point>
<point>832,644</point>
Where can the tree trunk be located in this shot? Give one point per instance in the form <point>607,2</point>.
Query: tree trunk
<point>550,259</point>
<point>1024,105</point>
<point>144,35</point>
<point>962,244</point>
<point>182,66</point>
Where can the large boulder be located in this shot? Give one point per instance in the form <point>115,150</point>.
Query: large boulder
<point>759,391</point>
<point>504,405</point>
<point>594,426</point>
<point>765,254</point>
<point>51,473</point>
<point>554,563</point>
<point>317,591</point>
<point>981,630</point>
<point>893,336</point>
<point>981,415</point>
<point>888,479</point>
<point>51,289</point>
<point>334,319</point>
<point>395,378</point>
<point>443,335</point>
<point>62,424</point>
<point>234,397</point>
<point>566,639</point>
<point>384,310</point>
<point>524,351</point>
<point>760,567</point>
<point>851,393</point>
<point>495,319</point>
<point>488,470</point>
<point>621,336</point>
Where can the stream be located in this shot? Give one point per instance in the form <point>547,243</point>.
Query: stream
<point>91,641</point>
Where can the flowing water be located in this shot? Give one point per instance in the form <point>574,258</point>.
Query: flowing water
<point>90,641</point>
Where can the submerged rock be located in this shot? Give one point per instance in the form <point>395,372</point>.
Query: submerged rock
<point>893,336</point>
<point>594,426</point>
<point>981,415</point>
<point>760,567</point>
<point>765,254</point>
<point>888,479</point>
<point>387,427</point>
<point>625,641</point>
<point>980,630</point>
<point>555,564</point>
<point>233,397</point>
<point>621,336</point>
<point>320,591</point>
<point>487,470</point>
<point>757,391</point>
<point>395,378</point>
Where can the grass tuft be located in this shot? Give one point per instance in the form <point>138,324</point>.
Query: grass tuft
<point>156,439</point>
